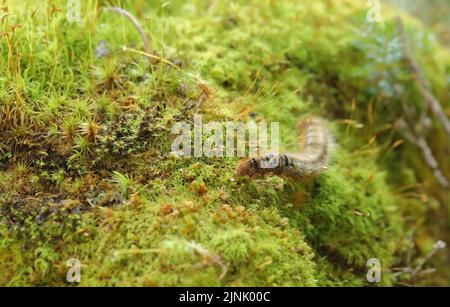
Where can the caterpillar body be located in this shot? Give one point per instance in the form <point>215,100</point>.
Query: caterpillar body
<point>315,152</point>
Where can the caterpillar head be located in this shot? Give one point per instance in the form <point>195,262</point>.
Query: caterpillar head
<point>246,168</point>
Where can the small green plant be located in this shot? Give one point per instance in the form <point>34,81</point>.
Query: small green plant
<point>85,164</point>
<point>123,183</point>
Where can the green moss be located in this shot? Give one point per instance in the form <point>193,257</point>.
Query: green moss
<point>86,170</point>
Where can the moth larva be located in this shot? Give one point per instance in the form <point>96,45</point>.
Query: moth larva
<point>316,144</point>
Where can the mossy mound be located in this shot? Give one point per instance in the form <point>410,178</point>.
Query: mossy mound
<point>85,140</point>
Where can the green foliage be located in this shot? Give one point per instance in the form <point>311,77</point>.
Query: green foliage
<point>86,169</point>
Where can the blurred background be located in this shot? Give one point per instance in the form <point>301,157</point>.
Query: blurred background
<point>434,13</point>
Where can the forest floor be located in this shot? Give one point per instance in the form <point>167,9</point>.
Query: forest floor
<point>86,169</point>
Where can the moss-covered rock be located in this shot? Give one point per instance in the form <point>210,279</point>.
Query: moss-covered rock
<point>86,170</point>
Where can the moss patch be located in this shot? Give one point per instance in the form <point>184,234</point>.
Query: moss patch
<point>85,164</point>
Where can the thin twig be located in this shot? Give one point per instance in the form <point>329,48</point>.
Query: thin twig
<point>150,56</point>
<point>135,22</point>
<point>418,270</point>
<point>407,127</point>
<point>431,160</point>
<point>421,81</point>
<point>208,256</point>
<point>163,60</point>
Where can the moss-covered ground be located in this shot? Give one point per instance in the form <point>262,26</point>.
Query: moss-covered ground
<point>85,164</point>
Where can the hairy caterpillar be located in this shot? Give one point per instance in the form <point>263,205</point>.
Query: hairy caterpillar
<point>316,145</point>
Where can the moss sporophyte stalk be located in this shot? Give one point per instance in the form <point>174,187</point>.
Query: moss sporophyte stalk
<point>91,195</point>
<point>317,143</point>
